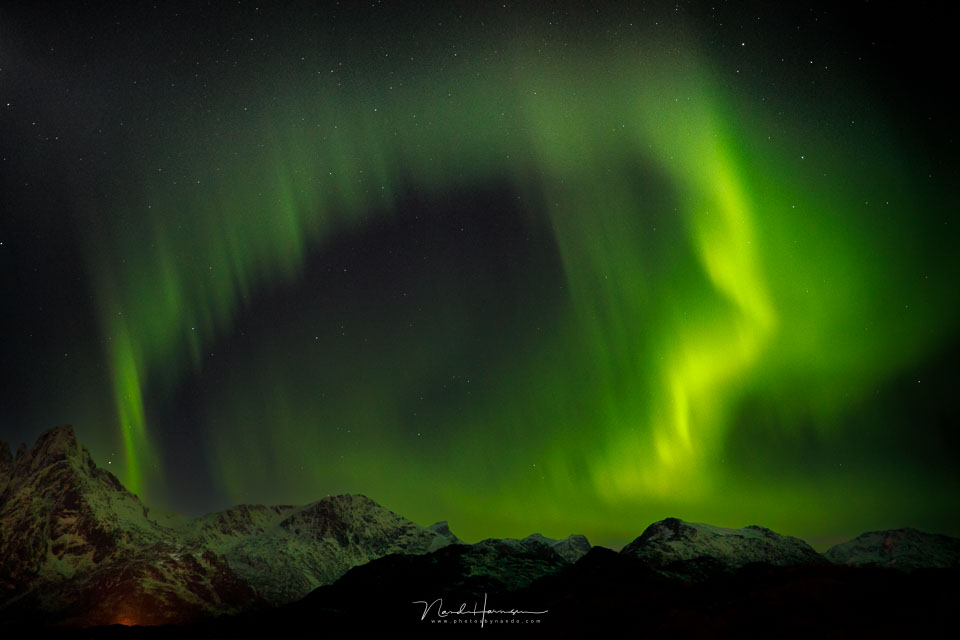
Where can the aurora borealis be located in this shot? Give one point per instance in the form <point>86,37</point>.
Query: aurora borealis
<point>519,268</point>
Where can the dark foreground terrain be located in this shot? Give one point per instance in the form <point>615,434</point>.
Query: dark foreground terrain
<point>603,591</point>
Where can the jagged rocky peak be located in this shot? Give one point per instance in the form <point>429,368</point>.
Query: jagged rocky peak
<point>63,517</point>
<point>60,476</point>
<point>905,549</point>
<point>573,547</point>
<point>442,529</point>
<point>53,445</point>
<point>693,551</point>
<point>56,453</point>
<point>330,509</point>
<point>570,549</point>
<point>353,518</point>
<point>242,519</point>
<point>56,442</point>
<point>325,513</point>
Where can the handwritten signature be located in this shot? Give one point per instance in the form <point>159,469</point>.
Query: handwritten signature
<point>463,611</point>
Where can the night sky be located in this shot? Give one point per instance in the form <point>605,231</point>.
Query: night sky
<point>523,267</point>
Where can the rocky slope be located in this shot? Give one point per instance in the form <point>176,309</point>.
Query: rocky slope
<point>898,549</point>
<point>693,551</point>
<point>63,521</point>
<point>78,547</point>
<point>314,545</point>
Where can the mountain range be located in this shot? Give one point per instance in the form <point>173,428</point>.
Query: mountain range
<point>77,550</point>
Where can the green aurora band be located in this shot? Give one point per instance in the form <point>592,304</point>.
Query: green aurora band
<point>718,260</point>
